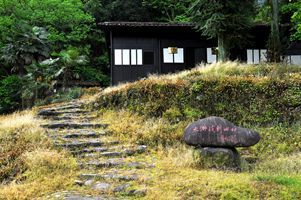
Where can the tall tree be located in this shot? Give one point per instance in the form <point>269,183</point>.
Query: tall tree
<point>227,21</point>
<point>293,8</point>
<point>274,47</point>
<point>171,10</point>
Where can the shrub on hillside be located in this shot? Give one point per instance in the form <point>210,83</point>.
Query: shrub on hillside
<point>243,99</point>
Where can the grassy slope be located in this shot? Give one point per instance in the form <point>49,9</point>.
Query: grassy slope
<point>156,110</point>
<point>29,164</point>
<point>31,167</point>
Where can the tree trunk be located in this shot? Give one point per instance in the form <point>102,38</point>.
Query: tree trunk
<point>223,50</point>
<point>275,44</point>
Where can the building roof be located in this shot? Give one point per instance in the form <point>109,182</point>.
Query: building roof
<point>145,24</point>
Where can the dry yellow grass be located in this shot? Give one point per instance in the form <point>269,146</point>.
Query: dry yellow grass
<point>19,119</point>
<point>30,167</point>
<point>134,128</point>
<point>177,174</point>
<point>218,69</point>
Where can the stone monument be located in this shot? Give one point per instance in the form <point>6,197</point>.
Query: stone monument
<point>216,139</point>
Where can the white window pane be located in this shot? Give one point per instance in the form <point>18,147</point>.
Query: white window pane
<point>167,57</point>
<point>263,55</point>
<point>133,57</point>
<point>249,56</point>
<point>126,57</point>
<point>179,57</point>
<point>296,59</point>
<point>256,56</point>
<point>118,57</point>
<point>139,56</point>
<point>211,58</point>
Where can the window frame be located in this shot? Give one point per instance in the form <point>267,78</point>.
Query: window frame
<point>171,59</point>
<point>256,56</point>
<point>138,57</point>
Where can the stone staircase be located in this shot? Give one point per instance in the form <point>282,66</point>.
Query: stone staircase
<point>107,167</point>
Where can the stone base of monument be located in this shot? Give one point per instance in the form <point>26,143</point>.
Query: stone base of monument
<point>219,158</point>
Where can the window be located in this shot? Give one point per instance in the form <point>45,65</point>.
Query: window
<point>173,58</point>
<point>255,56</point>
<point>179,57</point>
<point>128,56</point>
<point>293,59</point>
<point>139,56</point>
<point>148,58</point>
<point>211,56</point>
<point>118,57</point>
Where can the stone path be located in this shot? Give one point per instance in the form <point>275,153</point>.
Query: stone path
<point>108,167</point>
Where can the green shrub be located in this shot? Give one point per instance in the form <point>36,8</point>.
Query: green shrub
<point>242,100</point>
<point>173,115</point>
<point>92,74</point>
<point>62,95</point>
<point>10,97</point>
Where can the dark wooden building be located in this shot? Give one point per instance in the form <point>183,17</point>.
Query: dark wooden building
<point>141,48</point>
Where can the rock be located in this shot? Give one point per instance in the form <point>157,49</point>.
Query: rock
<point>70,195</point>
<point>141,192</point>
<point>121,188</point>
<point>220,158</point>
<point>110,176</point>
<point>79,182</point>
<point>218,132</point>
<point>88,182</point>
<point>102,186</point>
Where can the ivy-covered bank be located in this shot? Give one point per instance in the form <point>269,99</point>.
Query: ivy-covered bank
<point>253,95</point>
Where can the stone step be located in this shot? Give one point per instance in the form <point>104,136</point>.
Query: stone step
<point>71,195</point>
<point>72,117</point>
<point>117,152</point>
<point>111,163</point>
<point>105,187</point>
<point>83,144</point>
<point>82,151</point>
<point>73,125</point>
<point>112,151</point>
<point>91,134</point>
<point>56,113</point>
<point>109,176</point>
<point>64,107</point>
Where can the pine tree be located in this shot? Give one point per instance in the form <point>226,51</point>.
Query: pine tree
<point>225,20</point>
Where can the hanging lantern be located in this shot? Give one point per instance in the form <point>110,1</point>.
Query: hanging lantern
<point>172,50</point>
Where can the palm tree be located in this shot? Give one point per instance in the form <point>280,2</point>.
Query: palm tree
<point>69,59</point>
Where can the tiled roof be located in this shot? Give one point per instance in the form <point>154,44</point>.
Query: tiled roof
<point>145,24</point>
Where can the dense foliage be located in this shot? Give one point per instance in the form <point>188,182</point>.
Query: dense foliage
<point>10,96</point>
